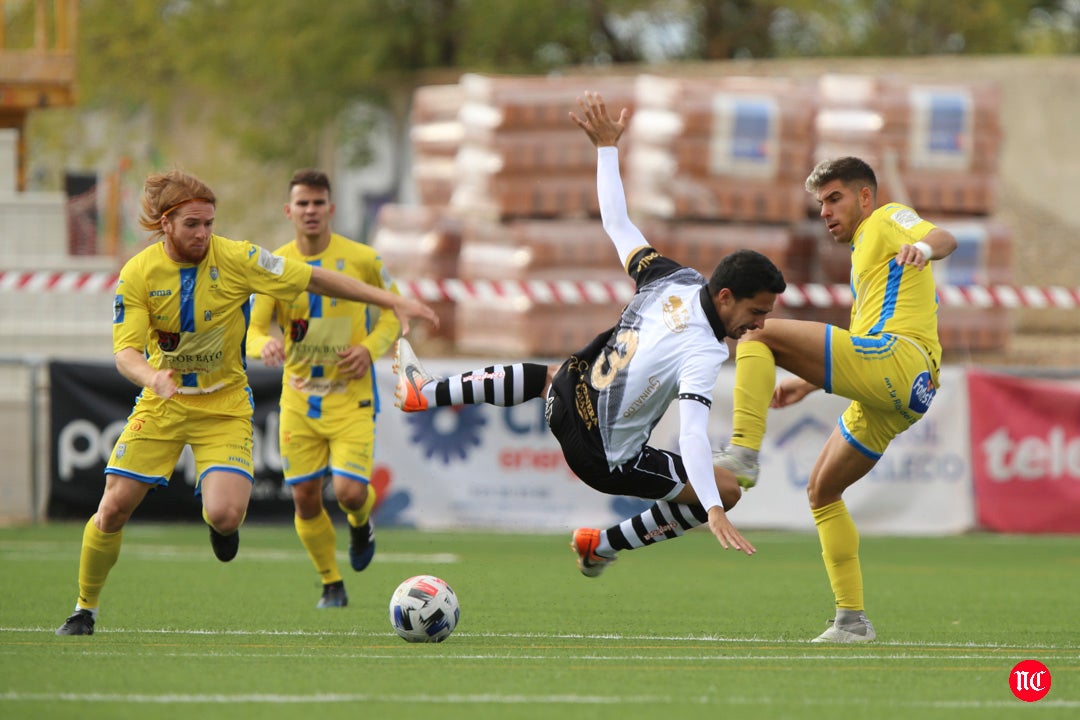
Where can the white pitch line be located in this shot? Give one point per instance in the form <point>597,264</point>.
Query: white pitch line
<point>496,699</point>
<point>183,553</point>
<point>554,656</point>
<point>260,698</point>
<point>615,637</point>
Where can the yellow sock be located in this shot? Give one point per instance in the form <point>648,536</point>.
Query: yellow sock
<point>755,380</point>
<point>357,518</point>
<point>320,541</point>
<point>840,550</point>
<point>99,553</point>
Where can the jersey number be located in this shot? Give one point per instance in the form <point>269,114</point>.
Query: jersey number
<point>614,358</point>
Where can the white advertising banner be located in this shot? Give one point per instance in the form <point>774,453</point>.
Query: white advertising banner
<point>921,486</point>
<point>500,468</point>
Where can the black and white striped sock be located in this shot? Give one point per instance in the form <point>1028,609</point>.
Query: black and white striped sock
<point>663,521</point>
<point>501,385</point>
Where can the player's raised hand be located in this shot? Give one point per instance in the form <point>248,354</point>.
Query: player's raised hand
<point>597,124</point>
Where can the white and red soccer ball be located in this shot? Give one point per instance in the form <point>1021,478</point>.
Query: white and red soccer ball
<point>424,609</point>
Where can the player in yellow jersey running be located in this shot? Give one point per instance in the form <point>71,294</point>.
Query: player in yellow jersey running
<point>886,363</point>
<point>179,319</point>
<point>328,398</point>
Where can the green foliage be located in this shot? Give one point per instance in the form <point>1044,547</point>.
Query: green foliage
<point>904,27</point>
<point>281,78</point>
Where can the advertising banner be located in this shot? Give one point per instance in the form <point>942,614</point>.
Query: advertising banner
<point>500,468</point>
<point>1025,443</point>
<point>89,403</point>
<point>477,467</point>
<point>921,486</point>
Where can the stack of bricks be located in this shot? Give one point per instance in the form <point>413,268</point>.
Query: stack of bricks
<point>731,149</point>
<point>507,190</point>
<point>718,165</point>
<point>936,146</point>
<point>526,198</point>
<point>435,134</point>
<point>420,242</point>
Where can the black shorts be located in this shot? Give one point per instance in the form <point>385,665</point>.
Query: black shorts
<point>571,414</point>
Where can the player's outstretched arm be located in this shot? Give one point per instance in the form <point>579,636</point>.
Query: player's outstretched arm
<point>697,459</point>
<point>604,134</point>
<point>335,284</point>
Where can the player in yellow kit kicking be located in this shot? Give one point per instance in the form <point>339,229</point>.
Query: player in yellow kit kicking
<point>328,398</point>
<point>886,363</point>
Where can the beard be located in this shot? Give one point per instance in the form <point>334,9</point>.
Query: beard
<point>186,253</point>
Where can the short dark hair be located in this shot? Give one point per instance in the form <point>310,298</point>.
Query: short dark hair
<point>310,177</point>
<point>746,273</point>
<point>848,170</point>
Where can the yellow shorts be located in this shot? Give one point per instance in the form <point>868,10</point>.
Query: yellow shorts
<point>342,444</point>
<point>890,380</point>
<point>217,426</point>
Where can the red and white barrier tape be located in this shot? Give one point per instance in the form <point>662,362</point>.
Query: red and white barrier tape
<point>583,292</point>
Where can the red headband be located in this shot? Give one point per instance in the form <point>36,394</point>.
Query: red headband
<point>185,202</point>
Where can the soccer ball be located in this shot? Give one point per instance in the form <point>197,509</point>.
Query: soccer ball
<point>424,609</point>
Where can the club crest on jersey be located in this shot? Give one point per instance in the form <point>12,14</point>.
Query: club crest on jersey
<point>922,393</point>
<point>168,341</point>
<point>214,274</point>
<point>676,314</point>
<point>340,264</point>
<point>298,330</point>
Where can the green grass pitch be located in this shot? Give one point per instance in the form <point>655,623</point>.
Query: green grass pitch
<point>682,629</point>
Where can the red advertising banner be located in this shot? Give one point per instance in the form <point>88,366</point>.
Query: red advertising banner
<point>1025,453</point>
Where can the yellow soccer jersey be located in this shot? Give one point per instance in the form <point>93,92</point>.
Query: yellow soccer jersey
<point>316,328</point>
<point>193,318</point>
<point>889,298</point>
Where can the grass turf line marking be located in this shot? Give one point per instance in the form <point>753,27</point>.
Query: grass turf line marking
<point>338,698</point>
<point>563,636</point>
<point>54,551</point>
<point>493,699</point>
<point>557,656</point>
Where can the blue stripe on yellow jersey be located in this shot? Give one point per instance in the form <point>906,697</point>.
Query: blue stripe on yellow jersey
<point>316,329</point>
<point>193,318</point>
<point>889,298</point>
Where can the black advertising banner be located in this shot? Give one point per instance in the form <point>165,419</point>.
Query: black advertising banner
<point>89,403</point>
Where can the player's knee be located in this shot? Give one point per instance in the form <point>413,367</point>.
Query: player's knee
<point>818,497</point>
<point>113,512</point>
<point>226,520</point>
<point>307,498</point>
<point>110,518</point>
<point>730,497</point>
<point>730,492</point>
<point>352,496</point>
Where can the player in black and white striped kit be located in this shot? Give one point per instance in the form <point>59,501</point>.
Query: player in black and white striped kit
<point>604,401</point>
